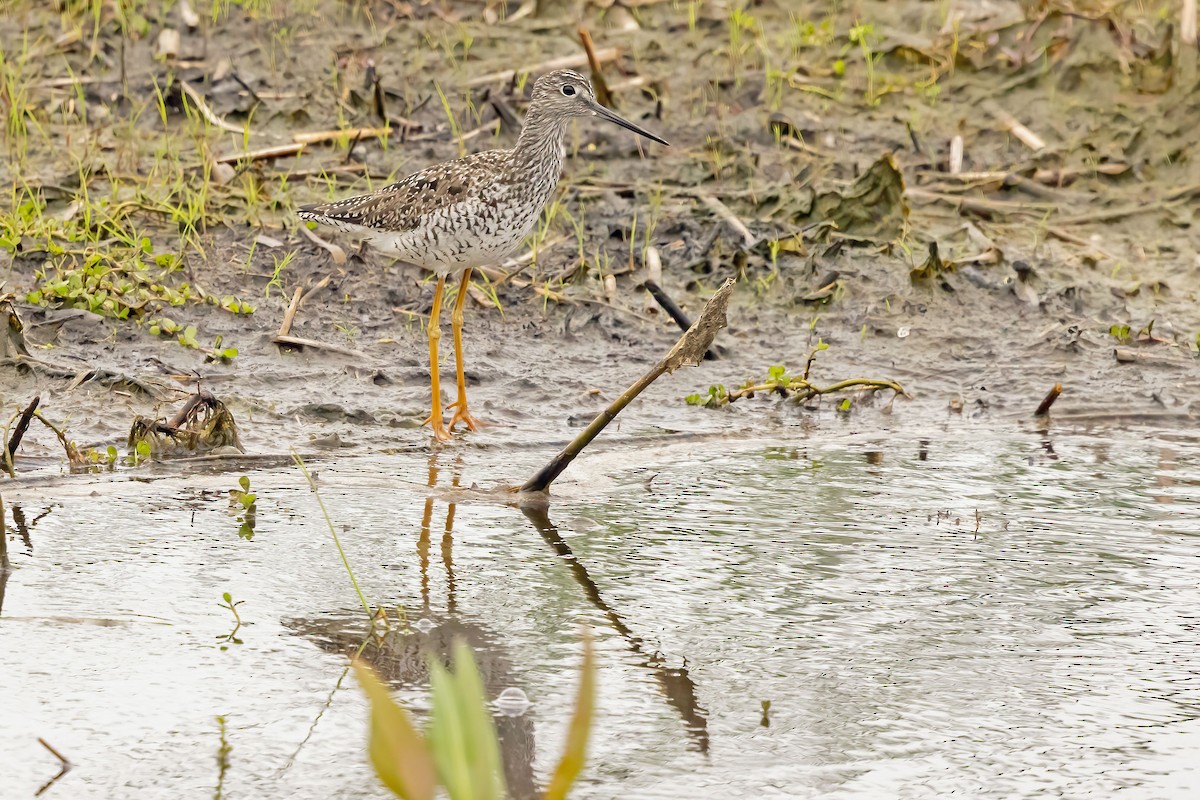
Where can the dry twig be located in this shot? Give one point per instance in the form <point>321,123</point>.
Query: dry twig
<point>721,210</point>
<point>264,153</point>
<point>336,253</point>
<point>207,112</point>
<point>566,62</point>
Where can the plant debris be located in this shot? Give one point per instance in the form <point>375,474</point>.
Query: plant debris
<point>203,424</point>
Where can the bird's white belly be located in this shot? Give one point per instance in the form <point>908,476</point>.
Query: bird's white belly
<point>465,236</point>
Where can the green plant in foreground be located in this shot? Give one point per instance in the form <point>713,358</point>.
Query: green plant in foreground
<point>460,751</point>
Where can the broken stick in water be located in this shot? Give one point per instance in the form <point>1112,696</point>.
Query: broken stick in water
<point>688,351</point>
<point>1044,408</point>
<point>14,441</point>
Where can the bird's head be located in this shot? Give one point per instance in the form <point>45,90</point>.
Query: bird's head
<point>564,93</point>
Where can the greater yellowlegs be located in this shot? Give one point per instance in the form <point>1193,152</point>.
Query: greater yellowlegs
<point>473,211</point>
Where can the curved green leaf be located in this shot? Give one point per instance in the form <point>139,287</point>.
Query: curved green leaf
<point>575,753</point>
<point>398,752</point>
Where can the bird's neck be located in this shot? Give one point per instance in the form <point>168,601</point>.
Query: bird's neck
<point>541,143</point>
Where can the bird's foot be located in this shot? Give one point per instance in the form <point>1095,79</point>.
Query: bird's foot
<point>440,431</point>
<point>462,415</point>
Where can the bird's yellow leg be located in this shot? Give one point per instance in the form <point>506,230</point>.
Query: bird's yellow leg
<point>456,322</point>
<point>435,333</point>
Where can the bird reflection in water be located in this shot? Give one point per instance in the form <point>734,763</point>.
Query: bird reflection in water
<point>400,655</point>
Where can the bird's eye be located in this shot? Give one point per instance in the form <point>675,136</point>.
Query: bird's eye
<point>568,90</point>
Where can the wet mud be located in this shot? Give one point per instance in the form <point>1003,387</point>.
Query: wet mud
<point>812,157</point>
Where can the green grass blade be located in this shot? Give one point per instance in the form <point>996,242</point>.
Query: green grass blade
<point>575,753</point>
<point>479,731</point>
<point>446,736</point>
<point>398,752</point>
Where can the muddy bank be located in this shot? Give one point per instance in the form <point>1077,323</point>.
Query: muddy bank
<point>814,156</point>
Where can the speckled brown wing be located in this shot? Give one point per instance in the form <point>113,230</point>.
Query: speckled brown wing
<point>402,206</point>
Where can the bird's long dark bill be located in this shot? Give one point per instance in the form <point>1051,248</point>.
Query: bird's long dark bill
<point>626,124</point>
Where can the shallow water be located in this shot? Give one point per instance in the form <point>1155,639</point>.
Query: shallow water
<point>907,646</point>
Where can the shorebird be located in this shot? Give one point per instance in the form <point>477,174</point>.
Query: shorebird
<point>472,212</point>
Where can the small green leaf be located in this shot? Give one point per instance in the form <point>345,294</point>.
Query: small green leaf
<point>244,482</point>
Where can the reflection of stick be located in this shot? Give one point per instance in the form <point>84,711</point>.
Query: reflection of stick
<point>1051,396</point>
<point>668,305</point>
<point>677,685</point>
<point>689,350</point>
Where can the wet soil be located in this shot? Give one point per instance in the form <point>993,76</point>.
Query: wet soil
<point>771,110</point>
